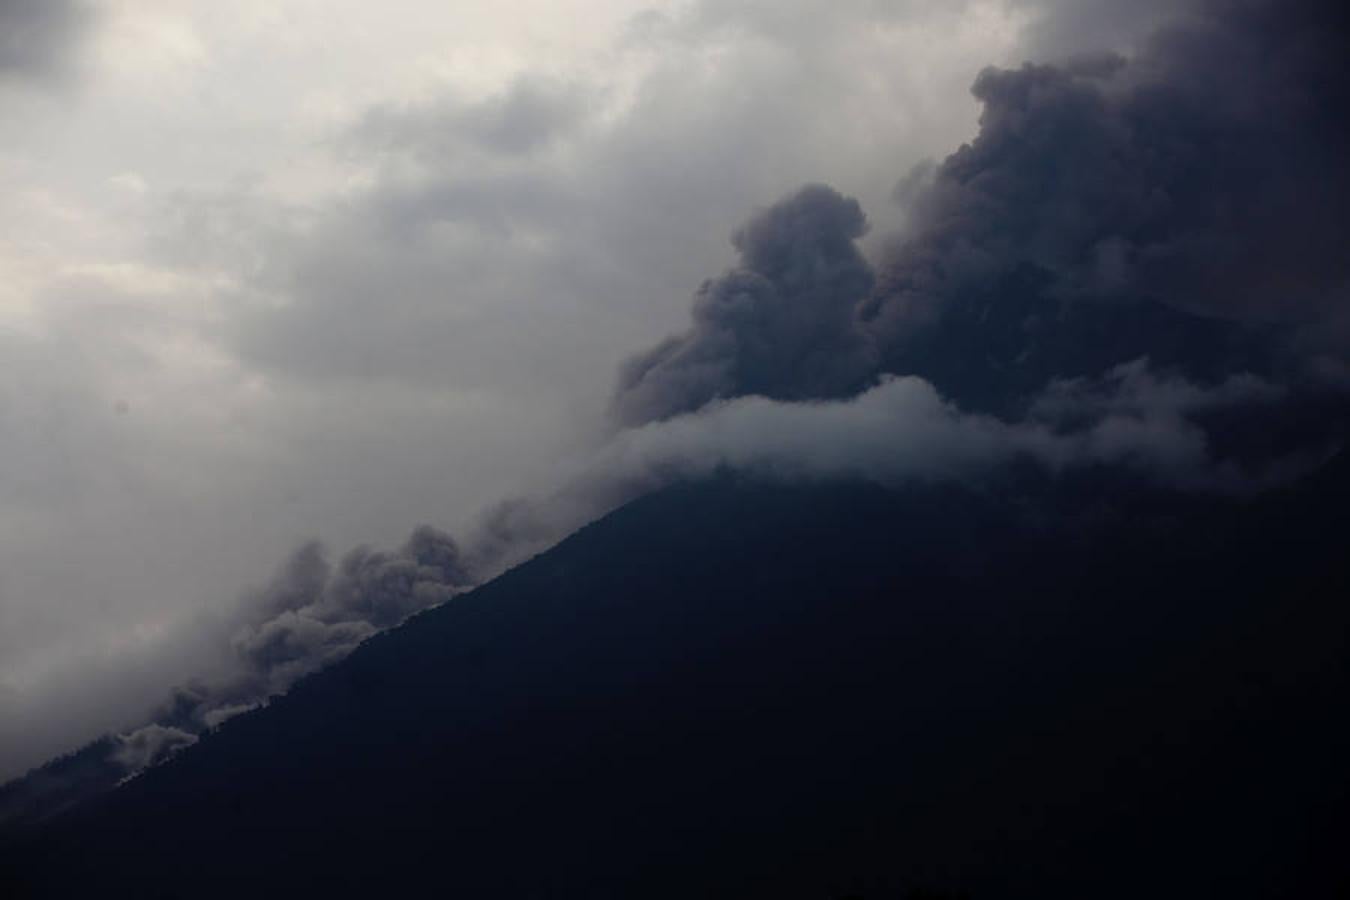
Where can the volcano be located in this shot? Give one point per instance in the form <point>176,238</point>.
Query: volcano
<point>1023,687</point>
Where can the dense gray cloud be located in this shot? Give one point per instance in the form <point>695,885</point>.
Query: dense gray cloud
<point>39,37</point>
<point>1110,208</point>
<point>780,324</point>
<point>1187,204</point>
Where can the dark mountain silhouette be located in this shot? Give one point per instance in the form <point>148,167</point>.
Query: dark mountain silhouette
<point>59,784</point>
<point>1028,687</point>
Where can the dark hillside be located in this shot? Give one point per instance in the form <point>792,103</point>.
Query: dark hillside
<point>733,689</point>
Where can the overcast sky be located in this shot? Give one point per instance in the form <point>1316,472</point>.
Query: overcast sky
<point>272,271</point>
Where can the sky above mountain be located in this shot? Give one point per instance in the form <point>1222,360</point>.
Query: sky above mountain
<point>276,272</point>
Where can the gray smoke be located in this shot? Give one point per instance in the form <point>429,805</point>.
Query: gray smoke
<point>1187,205</point>
<point>150,746</point>
<point>1138,261</point>
<point>780,324</point>
<point>1167,204</point>
<point>311,614</point>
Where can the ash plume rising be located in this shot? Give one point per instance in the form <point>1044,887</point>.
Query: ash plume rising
<point>1182,210</point>
<point>1186,204</point>
<point>309,615</point>
<point>780,324</point>
<point>1135,262</point>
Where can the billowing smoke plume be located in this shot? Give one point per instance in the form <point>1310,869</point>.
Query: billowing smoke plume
<point>1136,262</point>
<point>780,325</point>
<point>1188,205</point>
<point>1167,205</point>
<point>310,615</point>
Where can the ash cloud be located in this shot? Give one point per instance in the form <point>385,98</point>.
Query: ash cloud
<point>1186,206</point>
<point>779,325</point>
<point>313,614</point>
<point>1180,203</point>
<point>1134,263</point>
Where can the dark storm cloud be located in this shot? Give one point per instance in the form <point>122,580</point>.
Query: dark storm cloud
<point>38,37</point>
<point>780,324</point>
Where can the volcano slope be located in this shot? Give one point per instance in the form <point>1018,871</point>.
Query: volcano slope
<point>1026,687</point>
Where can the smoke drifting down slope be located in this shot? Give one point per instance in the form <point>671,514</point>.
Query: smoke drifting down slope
<point>310,615</point>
